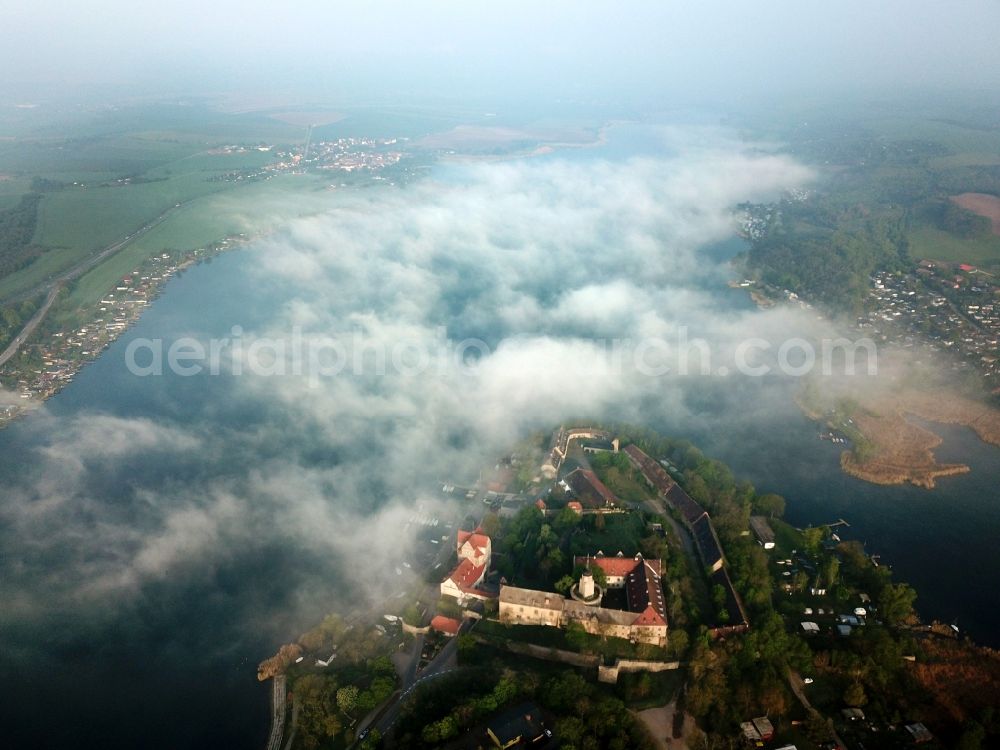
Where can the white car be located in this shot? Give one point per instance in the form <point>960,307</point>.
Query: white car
<point>807,680</point>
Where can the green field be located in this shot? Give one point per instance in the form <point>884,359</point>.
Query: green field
<point>87,153</point>
<point>933,244</point>
<point>75,223</point>
<point>247,209</point>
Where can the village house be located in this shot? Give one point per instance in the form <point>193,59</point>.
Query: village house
<point>464,583</point>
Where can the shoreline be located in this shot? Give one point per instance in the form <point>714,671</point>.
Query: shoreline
<point>903,451</point>
<point>124,305</point>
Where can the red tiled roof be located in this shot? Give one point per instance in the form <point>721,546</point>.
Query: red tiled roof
<point>476,538</point>
<point>540,504</point>
<point>642,584</point>
<point>649,617</point>
<point>612,566</point>
<point>574,505</point>
<point>445,624</point>
<point>467,574</point>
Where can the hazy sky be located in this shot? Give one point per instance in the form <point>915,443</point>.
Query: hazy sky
<point>552,49</point>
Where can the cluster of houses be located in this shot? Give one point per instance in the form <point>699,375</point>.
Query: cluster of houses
<point>63,353</point>
<point>342,155</point>
<point>949,307</point>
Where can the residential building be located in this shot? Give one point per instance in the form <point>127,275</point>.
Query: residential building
<point>464,583</point>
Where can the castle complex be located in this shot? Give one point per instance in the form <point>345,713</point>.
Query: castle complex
<point>645,620</point>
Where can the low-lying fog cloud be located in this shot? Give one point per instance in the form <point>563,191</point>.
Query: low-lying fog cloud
<point>543,261</point>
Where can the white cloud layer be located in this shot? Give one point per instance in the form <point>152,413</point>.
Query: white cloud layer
<point>541,260</point>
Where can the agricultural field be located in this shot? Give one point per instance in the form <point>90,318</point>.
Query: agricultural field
<point>249,209</point>
<point>934,244</point>
<point>105,173</point>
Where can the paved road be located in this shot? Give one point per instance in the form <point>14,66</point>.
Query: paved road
<point>443,664</point>
<point>391,714</point>
<point>32,324</point>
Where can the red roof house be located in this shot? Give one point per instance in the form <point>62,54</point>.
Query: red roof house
<point>447,625</point>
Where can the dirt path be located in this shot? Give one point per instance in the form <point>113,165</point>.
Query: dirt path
<point>660,723</point>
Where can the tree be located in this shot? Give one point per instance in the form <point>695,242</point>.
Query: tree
<point>677,643</point>
<point>562,693</point>
<point>773,698</point>
<point>347,698</point>
<point>564,584</point>
<point>372,741</point>
<point>831,569</point>
<point>466,647</point>
<point>277,664</point>
<point>318,722</point>
<point>972,737</point>
<point>576,636</point>
<point>896,602</point>
<point>552,561</point>
<point>490,524</point>
<point>818,728</point>
<point>600,577</point>
<point>566,520</point>
<point>771,505</point>
<point>813,538</point>
<point>855,695</point>
<point>570,730</point>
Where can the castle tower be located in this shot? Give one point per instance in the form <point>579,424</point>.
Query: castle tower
<point>586,587</point>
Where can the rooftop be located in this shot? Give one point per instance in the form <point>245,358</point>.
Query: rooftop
<point>591,490</point>
<point>706,541</point>
<point>476,538</point>
<point>685,505</point>
<point>655,474</point>
<point>531,598</point>
<point>643,590</point>
<point>467,573</point>
<point>447,625</point>
<point>521,723</point>
<point>762,529</point>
